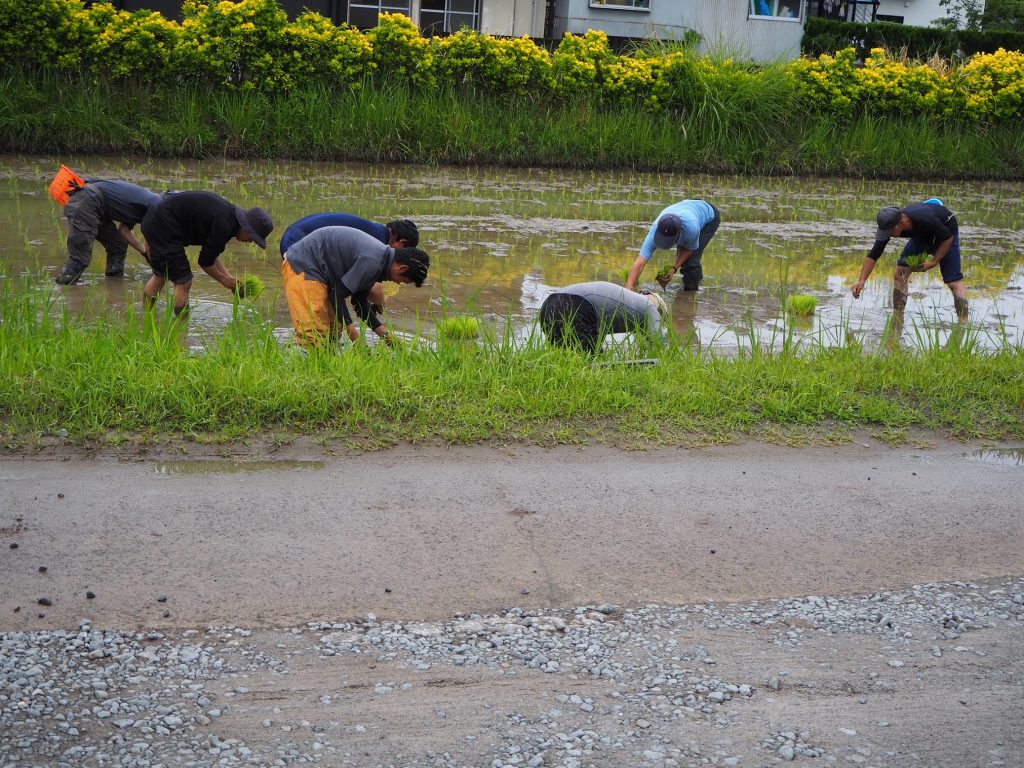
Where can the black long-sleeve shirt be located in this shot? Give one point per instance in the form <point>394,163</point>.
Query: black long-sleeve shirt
<point>192,218</point>
<point>932,225</point>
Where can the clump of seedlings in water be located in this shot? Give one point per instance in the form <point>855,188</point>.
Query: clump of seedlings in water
<point>802,305</point>
<point>665,273</point>
<point>916,260</point>
<point>252,287</point>
<point>458,327</point>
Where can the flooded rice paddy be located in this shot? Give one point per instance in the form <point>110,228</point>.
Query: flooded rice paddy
<point>502,239</point>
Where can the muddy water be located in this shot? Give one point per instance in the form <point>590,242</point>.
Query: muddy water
<point>501,239</point>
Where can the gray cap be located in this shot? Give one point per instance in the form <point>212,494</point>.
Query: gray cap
<point>888,217</point>
<point>670,227</point>
<point>256,222</point>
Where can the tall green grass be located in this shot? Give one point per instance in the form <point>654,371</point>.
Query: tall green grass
<point>130,376</point>
<point>748,125</point>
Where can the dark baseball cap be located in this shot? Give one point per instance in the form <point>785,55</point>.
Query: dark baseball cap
<point>888,217</point>
<point>256,222</point>
<point>670,227</point>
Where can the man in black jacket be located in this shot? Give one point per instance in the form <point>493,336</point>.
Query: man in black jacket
<point>933,230</point>
<point>181,219</point>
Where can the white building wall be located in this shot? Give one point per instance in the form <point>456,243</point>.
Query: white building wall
<point>917,13</point>
<point>723,25</point>
<point>512,18</point>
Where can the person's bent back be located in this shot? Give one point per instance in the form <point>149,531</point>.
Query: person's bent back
<point>583,313</point>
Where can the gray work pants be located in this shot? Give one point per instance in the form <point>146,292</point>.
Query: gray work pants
<point>87,222</point>
<point>692,272</point>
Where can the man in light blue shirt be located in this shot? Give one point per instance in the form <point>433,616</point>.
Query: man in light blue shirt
<point>687,226</point>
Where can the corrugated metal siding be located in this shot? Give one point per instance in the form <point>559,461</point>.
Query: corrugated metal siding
<point>723,24</point>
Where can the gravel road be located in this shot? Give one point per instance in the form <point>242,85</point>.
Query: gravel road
<point>747,605</point>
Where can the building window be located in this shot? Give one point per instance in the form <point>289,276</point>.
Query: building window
<point>364,13</point>
<point>775,9</point>
<point>624,5</point>
<point>447,16</point>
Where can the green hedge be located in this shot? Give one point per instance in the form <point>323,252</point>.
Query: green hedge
<point>828,36</point>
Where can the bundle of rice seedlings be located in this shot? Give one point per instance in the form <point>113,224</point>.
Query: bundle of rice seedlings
<point>802,305</point>
<point>665,273</point>
<point>251,286</point>
<point>916,260</point>
<point>458,327</point>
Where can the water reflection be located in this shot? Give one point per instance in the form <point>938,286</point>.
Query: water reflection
<point>231,466</point>
<point>1011,457</point>
<point>502,239</point>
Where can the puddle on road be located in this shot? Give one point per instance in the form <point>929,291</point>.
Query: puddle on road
<point>230,466</point>
<point>502,239</point>
<point>1008,457</point>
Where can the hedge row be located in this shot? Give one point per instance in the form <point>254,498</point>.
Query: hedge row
<point>823,35</point>
<point>250,44</point>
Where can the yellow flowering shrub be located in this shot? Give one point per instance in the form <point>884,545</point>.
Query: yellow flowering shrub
<point>399,50</point>
<point>469,58</point>
<point>888,85</point>
<point>234,43</point>
<point>520,65</point>
<point>829,83</point>
<point>991,86</point>
<point>251,44</point>
<point>579,64</point>
<point>314,49</point>
<point>39,32</point>
<point>122,44</point>
<point>628,78</point>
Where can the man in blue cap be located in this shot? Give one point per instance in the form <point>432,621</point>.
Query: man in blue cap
<point>687,226</point>
<point>932,229</point>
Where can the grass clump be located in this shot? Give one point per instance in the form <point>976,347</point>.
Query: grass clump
<point>458,327</point>
<point>801,305</point>
<point>90,377</point>
<point>252,287</point>
<point>915,260</point>
<point>664,273</point>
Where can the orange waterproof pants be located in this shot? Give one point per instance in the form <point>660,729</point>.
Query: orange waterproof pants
<point>312,314</point>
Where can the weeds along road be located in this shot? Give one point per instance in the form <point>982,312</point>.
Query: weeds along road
<point>426,532</point>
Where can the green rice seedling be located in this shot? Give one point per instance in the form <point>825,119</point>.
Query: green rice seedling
<point>665,273</point>
<point>252,287</point>
<point>458,327</point>
<point>915,260</point>
<point>801,305</point>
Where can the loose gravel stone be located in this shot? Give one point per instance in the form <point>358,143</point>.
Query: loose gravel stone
<point>103,697</point>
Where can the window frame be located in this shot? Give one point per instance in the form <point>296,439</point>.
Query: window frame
<point>775,7</point>
<point>369,5</point>
<point>447,13</point>
<point>620,5</point>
